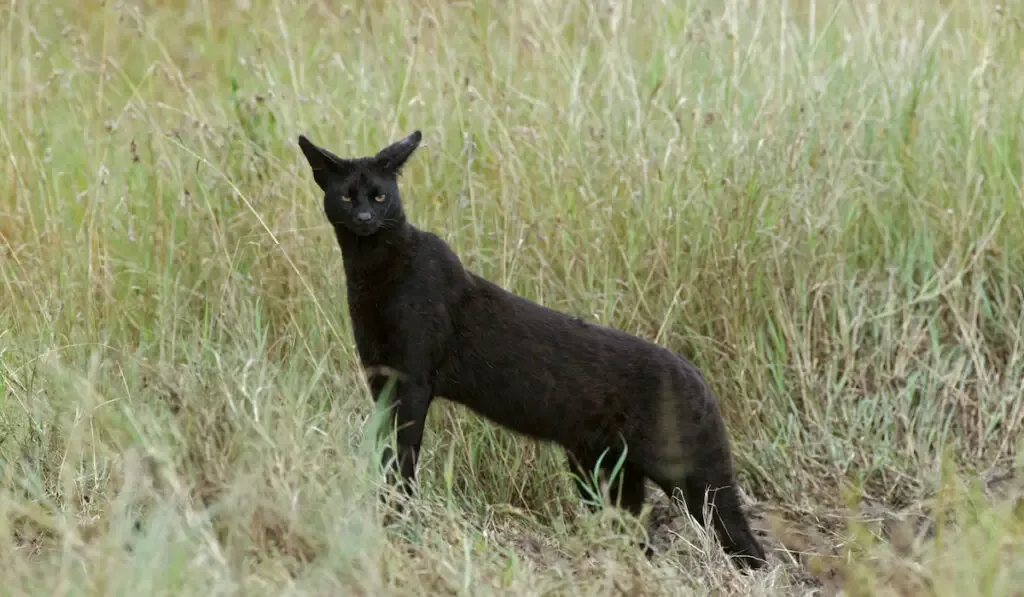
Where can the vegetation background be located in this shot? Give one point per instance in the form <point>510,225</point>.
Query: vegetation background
<point>819,202</point>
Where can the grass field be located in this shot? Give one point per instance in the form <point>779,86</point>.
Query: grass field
<point>818,202</point>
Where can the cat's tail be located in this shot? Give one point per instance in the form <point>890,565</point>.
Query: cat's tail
<point>695,458</point>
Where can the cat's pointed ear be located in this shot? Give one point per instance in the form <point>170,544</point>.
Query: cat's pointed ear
<point>324,164</point>
<point>391,159</point>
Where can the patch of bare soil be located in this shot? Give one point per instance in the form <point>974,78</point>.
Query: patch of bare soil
<point>811,543</point>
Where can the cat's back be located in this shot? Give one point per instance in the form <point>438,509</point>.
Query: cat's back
<point>435,264</point>
<point>501,318</point>
<point>488,317</point>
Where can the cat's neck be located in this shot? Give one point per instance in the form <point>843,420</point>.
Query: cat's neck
<point>378,256</point>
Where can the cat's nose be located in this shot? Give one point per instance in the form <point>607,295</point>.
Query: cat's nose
<point>364,216</point>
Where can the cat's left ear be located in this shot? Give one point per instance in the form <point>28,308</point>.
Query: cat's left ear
<point>323,163</point>
<point>391,159</point>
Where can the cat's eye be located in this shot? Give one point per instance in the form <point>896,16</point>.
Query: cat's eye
<point>346,198</point>
<point>380,198</point>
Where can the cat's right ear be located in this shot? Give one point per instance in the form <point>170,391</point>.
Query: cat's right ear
<point>391,159</point>
<point>325,165</point>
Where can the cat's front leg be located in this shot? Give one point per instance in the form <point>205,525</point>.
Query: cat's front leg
<point>408,402</point>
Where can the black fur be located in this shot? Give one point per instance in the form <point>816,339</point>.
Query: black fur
<point>444,331</point>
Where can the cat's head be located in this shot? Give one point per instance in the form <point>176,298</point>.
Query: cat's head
<point>361,194</point>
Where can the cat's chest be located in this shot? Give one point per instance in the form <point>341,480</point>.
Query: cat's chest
<point>377,323</point>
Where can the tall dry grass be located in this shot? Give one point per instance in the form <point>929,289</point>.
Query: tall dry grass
<point>817,202</point>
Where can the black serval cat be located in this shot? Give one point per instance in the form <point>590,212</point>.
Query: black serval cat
<point>439,330</point>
